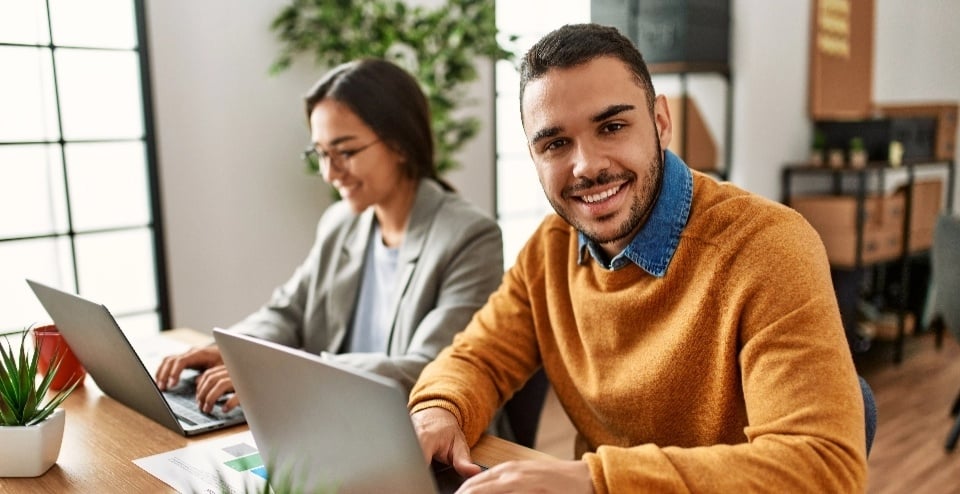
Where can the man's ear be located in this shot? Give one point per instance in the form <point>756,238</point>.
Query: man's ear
<point>662,121</point>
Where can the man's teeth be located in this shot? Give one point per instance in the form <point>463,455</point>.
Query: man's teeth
<point>601,196</point>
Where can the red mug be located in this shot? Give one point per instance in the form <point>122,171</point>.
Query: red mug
<point>53,345</point>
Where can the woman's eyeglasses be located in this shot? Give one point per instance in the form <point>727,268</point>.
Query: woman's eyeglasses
<point>319,161</point>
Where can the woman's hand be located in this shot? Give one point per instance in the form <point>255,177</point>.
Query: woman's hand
<point>168,374</point>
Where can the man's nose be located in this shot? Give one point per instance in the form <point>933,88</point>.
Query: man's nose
<point>588,161</point>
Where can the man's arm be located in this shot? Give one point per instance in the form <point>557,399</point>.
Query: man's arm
<point>485,364</point>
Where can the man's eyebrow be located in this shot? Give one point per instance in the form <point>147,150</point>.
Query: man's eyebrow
<point>611,111</point>
<point>544,133</point>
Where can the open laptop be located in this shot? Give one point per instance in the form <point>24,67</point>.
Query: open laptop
<point>110,359</point>
<point>320,426</point>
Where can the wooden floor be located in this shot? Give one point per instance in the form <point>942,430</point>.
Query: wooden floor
<point>913,403</point>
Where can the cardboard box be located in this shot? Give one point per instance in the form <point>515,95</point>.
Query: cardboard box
<point>839,213</point>
<point>835,219</point>
<point>878,246</point>
<point>921,239</point>
<point>945,115</point>
<point>925,206</point>
<point>926,203</point>
<point>701,147</point>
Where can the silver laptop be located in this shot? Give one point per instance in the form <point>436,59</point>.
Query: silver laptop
<point>325,427</point>
<point>106,354</point>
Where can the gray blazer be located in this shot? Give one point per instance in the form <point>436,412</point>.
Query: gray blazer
<point>450,261</point>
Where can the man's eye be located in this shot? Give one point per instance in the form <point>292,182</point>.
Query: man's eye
<point>346,153</point>
<point>612,127</point>
<point>554,145</point>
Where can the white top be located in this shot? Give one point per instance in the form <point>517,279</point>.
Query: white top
<point>371,321</point>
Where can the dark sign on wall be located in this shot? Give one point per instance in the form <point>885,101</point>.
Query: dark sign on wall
<point>669,31</point>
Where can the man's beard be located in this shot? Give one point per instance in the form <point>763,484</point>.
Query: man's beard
<point>640,208</point>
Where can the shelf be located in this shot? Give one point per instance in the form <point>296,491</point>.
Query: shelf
<point>882,229</point>
<point>873,166</point>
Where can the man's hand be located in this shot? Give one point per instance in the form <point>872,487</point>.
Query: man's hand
<point>442,440</point>
<point>544,476</point>
<point>168,374</point>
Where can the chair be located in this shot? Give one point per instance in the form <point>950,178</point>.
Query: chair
<point>944,306</point>
<point>869,412</point>
<point>524,408</point>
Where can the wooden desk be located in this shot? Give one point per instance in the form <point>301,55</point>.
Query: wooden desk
<point>102,438</point>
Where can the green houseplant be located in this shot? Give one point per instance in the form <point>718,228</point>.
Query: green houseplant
<point>31,424</point>
<point>818,147</point>
<point>438,46</point>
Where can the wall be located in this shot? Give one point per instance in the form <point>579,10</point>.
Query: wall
<point>239,212</point>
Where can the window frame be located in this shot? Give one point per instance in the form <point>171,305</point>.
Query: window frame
<point>154,224</point>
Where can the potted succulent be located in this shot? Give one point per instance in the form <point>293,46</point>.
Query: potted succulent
<point>817,148</point>
<point>858,153</point>
<point>31,422</point>
<point>835,157</point>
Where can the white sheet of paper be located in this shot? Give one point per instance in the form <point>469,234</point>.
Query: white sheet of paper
<point>229,464</point>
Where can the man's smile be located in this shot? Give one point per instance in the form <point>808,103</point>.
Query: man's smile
<point>604,194</point>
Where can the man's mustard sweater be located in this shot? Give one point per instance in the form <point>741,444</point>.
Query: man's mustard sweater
<point>729,374</point>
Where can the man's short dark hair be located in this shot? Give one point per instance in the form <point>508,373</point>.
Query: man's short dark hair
<point>575,44</point>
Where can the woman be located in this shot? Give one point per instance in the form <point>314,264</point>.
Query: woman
<point>399,265</point>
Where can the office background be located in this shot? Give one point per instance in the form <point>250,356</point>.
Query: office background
<point>239,212</point>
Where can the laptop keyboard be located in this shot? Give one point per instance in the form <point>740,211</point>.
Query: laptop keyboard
<point>186,408</point>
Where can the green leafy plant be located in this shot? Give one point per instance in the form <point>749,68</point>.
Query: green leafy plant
<point>819,141</point>
<point>439,47</point>
<point>21,397</point>
<point>817,147</point>
<point>856,144</point>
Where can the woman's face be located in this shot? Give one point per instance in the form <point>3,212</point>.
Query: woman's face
<point>365,170</point>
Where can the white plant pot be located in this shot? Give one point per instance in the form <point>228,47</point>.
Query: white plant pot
<point>29,451</point>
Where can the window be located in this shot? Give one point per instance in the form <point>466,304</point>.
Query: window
<point>78,197</point>
<point>521,205</point>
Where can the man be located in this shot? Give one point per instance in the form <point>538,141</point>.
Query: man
<point>689,329</point>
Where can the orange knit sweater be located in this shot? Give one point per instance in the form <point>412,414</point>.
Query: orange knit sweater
<point>729,374</point>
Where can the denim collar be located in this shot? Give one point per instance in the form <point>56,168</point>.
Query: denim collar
<point>656,242</point>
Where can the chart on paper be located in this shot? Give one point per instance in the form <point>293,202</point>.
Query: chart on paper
<point>227,464</point>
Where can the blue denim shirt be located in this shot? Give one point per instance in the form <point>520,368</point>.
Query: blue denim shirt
<point>656,242</point>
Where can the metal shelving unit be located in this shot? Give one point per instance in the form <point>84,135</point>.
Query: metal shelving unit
<point>846,277</point>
